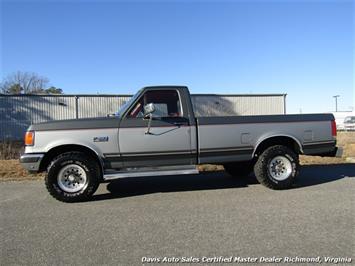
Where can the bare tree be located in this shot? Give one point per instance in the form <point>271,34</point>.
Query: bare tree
<point>23,83</point>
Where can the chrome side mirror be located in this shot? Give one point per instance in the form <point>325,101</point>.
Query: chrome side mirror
<point>149,109</point>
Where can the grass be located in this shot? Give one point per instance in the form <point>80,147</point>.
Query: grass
<point>10,149</point>
<point>11,170</point>
<point>346,140</point>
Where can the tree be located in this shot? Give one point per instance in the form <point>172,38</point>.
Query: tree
<point>15,89</point>
<point>54,90</point>
<point>27,83</point>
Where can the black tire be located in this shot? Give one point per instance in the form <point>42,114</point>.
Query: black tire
<point>87,166</point>
<point>239,169</point>
<point>288,171</point>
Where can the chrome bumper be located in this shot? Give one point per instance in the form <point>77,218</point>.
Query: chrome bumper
<point>31,162</point>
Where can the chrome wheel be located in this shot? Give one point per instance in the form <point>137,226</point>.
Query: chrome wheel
<point>280,168</point>
<point>72,178</point>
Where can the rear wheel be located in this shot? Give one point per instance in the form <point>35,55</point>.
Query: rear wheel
<point>72,176</point>
<point>277,167</point>
<point>239,169</point>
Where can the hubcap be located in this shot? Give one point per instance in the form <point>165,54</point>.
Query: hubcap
<point>280,168</point>
<point>72,178</point>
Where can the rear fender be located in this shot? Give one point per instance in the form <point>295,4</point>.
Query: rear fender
<point>268,137</point>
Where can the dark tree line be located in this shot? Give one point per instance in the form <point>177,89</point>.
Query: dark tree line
<point>27,83</point>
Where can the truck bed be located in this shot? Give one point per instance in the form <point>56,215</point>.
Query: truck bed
<point>311,132</point>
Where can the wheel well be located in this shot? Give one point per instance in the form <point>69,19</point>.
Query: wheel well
<point>279,140</point>
<point>54,152</point>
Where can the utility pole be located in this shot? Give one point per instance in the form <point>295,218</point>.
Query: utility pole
<point>336,102</point>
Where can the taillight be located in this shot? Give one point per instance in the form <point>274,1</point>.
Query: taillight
<point>334,128</point>
<point>29,138</point>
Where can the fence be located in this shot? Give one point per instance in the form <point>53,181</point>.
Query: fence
<point>17,112</point>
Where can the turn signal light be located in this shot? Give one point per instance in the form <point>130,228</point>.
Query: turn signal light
<point>29,138</point>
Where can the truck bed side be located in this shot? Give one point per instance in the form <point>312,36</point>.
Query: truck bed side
<point>236,138</point>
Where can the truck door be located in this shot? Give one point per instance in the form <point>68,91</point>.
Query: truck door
<point>169,139</point>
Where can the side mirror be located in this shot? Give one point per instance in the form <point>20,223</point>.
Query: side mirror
<point>149,109</point>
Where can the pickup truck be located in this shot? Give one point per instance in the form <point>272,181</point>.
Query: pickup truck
<point>157,133</point>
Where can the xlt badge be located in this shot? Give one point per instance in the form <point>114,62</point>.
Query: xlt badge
<point>100,139</point>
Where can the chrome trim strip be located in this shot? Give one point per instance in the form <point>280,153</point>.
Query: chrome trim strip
<point>155,154</point>
<point>186,152</point>
<point>135,154</point>
<point>156,172</point>
<point>227,149</point>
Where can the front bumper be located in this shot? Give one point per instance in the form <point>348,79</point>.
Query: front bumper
<point>31,162</point>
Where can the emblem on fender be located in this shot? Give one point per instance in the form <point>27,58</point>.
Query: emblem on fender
<point>100,139</point>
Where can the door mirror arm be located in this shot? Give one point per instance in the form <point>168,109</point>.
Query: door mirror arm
<point>149,124</point>
<point>149,109</point>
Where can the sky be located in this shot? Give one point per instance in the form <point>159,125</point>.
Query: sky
<point>302,48</point>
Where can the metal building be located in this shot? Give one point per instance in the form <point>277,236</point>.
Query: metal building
<point>238,104</point>
<point>17,112</point>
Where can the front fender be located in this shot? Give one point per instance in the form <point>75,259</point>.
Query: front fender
<point>64,142</point>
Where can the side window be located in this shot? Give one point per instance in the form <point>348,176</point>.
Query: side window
<point>166,102</point>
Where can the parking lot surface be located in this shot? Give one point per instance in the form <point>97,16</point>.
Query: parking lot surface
<point>197,216</point>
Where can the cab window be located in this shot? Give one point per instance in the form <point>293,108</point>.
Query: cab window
<point>166,102</point>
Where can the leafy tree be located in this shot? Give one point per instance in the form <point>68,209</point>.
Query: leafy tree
<point>54,90</point>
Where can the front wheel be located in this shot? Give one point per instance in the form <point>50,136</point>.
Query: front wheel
<point>72,176</point>
<point>277,167</point>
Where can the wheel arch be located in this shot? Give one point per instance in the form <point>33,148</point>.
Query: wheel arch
<point>57,150</point>
<point>286,140</point>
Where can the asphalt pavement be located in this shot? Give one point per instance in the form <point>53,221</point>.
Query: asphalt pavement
<point>194,217</point>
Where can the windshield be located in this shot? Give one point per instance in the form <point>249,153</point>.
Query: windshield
<point>128,104</point>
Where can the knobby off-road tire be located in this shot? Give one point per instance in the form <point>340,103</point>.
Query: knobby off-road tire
<point>277,167</point>
<point>239,169</point>
<point>72,177</point>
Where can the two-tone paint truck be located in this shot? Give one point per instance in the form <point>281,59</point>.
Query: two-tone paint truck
<point>157,133</point>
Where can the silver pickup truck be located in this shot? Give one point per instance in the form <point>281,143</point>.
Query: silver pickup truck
<point>156,133</point>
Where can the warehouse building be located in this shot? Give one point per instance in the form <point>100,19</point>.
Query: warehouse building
<point>17,112</point>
